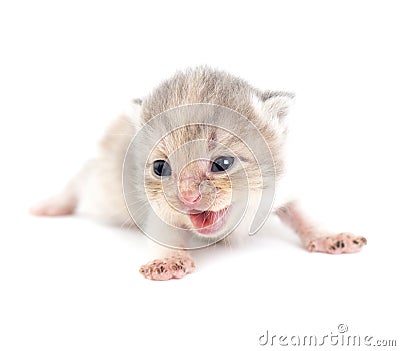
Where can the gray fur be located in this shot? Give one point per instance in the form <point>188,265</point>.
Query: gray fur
<point>206,85</point>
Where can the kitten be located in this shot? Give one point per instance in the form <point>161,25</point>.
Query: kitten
<point>200,158</point>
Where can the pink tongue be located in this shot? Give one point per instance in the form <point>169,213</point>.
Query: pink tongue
<point>204,219</point>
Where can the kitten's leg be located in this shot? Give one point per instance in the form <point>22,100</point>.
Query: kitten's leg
<point>171,263</point>
<point>313,237</point>
<point>59,205</point>
<point>97,187</point>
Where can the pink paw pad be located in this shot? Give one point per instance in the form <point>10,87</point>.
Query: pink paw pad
<point>174,267</point>
<point>337,244</point>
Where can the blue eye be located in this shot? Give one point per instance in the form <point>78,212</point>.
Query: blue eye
<point>162,168</point>
<point>222,163</point>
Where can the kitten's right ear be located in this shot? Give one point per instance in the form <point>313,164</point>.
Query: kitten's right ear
<point>273,106</point>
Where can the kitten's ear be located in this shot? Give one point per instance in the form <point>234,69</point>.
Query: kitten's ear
<point>273,106</point>
<point>134,111</point>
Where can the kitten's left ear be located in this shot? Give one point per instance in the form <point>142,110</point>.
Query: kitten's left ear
<point>273,106</point>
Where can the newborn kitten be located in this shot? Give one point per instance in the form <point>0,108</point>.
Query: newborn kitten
<point>198,159</point>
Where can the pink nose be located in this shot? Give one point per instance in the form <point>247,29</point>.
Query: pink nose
<point>190,197</point>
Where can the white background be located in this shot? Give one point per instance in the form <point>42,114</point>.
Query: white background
<point>68,67</point>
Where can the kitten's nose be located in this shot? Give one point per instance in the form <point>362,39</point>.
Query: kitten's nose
<point>191,197</point>
<point>189,191</point>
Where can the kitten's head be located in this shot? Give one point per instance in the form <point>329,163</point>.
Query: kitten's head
<point>205,164</point>
<point>208,151</point>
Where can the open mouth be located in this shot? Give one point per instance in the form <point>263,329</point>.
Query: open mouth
<point>208,222</point>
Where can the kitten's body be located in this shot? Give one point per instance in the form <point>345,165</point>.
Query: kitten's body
<point>200,114</point>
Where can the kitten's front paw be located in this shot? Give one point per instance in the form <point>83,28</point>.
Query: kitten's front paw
<point>174,267</point>
<point>337,244</point>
